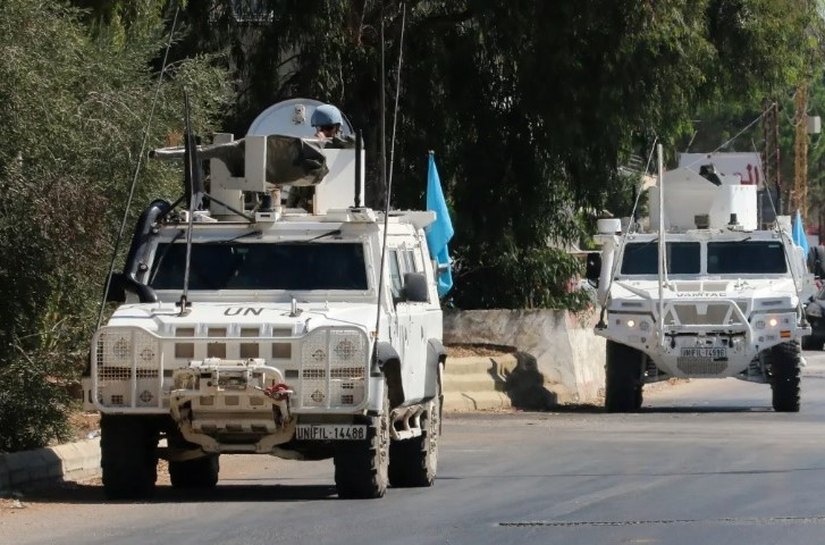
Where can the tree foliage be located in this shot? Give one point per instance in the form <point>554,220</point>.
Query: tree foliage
<point>530,106</point>
<point>73,113</point>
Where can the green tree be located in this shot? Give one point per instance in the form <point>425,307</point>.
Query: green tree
<point>530,106</point>
<point>73,113</point>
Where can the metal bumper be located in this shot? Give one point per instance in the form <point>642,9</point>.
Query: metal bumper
<point>707,337</point>
<point>232,406</point>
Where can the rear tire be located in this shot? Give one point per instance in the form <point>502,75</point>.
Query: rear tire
<point>639,397</point>
<point>809,342</point>
<point>414,462</point>
<point>362,467</point>
<point>198,473</point>
<point>785,360</point>
<point>623,381</point>
<point>128,451</point>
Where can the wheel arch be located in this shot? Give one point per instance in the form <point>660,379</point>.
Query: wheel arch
<point>436,358</point>
<point>389,362</point>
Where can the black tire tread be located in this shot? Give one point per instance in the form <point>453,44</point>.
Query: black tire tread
<point>198,473</point>
<point>361,471</point>
<point>623,384</point>
<point>809,342</point>
<point>128,448</point>
<point>785,362</point>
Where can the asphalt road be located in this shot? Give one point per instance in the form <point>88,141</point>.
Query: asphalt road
<point>705,462</point>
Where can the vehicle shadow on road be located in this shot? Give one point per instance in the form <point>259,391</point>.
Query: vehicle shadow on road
<point>81,493</point>
<point>706,409</point>
<point>585,408</point>
<point>620,474</point>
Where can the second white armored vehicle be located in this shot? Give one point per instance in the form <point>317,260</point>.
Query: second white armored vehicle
<point>249,327</point>
<point>707,295</point>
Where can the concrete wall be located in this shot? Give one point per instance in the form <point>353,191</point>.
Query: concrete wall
<point>568,355</point>
<point>46,466</point>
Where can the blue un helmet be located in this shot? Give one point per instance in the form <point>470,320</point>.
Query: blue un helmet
<point>326,115</point>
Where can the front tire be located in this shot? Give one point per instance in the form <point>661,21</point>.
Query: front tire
<point>128,456</point>
<point>623,380</point>
<point>414,462</point>
<point>785,360</point>
<point>362,467</point>
<point>809,342</point>
<point>198,473</point>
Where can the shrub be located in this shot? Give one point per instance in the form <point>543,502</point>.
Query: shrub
<point>32,407</point>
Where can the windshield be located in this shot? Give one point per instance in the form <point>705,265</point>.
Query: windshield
<point>261,266</point>
<point>641,257</point>
<point>752,257</point>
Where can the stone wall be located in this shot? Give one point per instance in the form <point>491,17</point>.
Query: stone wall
<point>568,355</point>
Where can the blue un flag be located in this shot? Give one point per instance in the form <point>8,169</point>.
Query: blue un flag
<point>798,232</point>
<point>440,231</point>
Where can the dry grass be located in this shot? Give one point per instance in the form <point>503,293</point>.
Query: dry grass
<point>473,350</point>
<point>83,423</point>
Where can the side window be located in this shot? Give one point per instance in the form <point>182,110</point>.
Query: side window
<point>409,257</point>
<point>395,274</point>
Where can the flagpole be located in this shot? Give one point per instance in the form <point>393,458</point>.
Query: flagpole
<point>375,371</point>
<point>662,246</point>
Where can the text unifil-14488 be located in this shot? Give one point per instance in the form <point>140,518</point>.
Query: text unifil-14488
<point>330,432</point>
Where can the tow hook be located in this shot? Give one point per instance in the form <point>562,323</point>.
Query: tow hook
<point>278,392</point>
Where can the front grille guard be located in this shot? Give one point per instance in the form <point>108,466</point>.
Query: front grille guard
<point>733,323</point>
<point>160,362</point>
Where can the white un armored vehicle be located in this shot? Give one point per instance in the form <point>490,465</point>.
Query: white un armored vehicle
<point>250,327</point>
<point>725,301</point>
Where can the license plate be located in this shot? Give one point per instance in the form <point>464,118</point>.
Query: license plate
<point>328,432</point>
<point>705,353</point>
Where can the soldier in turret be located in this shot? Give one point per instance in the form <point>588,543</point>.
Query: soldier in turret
<point>327,121</point>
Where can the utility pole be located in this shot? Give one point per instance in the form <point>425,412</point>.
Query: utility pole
<point>772,163</point>
<point>799,195</point>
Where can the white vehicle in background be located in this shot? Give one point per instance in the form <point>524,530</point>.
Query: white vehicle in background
<point>247,327</point>
<point>708,295</point>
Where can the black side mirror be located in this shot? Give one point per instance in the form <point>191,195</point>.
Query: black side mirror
<point>593,266</point>
<point>415,288</point>
<point>117,288</point>
<point>122,283</point>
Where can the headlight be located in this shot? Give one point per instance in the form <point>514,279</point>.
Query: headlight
<point>319,355</point>
<point>634,322</point>
<point>121,348</point>
<point>772,321</point>
<point>335,347</point>
<point>127,367</point>
<point>345,349</point>
<point>349,348</point>
<point>334,369</point>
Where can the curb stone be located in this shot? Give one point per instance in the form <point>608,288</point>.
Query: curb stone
<point>50,465</point>
<point>477,383</point>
